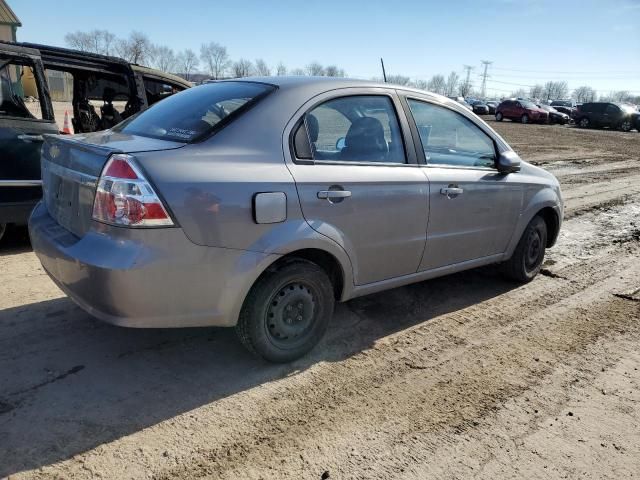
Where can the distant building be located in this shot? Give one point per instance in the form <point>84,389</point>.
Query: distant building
<point>9,23</point>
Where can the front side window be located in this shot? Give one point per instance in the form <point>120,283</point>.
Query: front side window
<point>157,90</point>
<point>612,109</point>
<point>195,112</point>
<point>451,139</point>
<point>19,93</point>
<point>361,128</point>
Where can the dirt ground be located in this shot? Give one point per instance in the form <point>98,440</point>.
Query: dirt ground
<point>467,376</point>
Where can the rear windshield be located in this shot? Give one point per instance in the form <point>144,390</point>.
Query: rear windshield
<point>196,112</point>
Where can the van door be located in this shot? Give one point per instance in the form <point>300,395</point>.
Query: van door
<point>26,114</point>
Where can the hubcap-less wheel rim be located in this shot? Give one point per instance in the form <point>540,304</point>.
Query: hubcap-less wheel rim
<point>290,316</point>
<point>626,126</point>
<point>534,250</point>
<point>525,119</point>
<point>584,122</point>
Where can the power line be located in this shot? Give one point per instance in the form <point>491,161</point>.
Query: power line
<point>566,71</point>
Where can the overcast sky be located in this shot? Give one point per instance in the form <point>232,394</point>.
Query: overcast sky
<point>585,42</point>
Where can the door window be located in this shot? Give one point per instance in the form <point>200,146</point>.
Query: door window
<point>157,90</point>
<point>19,92</point>
<point>449,138</point>
<point>612,110</point>
<point>360,128</point>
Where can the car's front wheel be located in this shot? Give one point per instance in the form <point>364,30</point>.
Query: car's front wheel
<point>499,116</point>
<point>626,126</point>
<point>524,118</point>
<point>287,311</point>
<point>584,122</point>
<point>526,261</point>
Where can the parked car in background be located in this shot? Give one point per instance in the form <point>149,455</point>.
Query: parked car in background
<point>607,115</point>
<point>98,91</point>
<point>479,107</point>
<point>258,203</point>
<point>522,111</point>
<point>564,106</point>
<point>462,102</point>
<point>492,104</point>
<point>555,116</point>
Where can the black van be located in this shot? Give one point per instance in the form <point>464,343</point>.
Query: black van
<point>38,85</point>
<point>607,114</point>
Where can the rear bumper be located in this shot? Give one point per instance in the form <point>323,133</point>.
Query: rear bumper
<point>146,278</point>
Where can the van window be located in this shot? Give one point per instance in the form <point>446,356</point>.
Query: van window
<point>195,112</point>
<point>19,96</point>
<point>157,90</point>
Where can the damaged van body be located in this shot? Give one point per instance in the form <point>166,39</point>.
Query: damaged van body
<point>39,85</point>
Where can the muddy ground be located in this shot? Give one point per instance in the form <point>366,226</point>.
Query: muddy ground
<point>468,376</point>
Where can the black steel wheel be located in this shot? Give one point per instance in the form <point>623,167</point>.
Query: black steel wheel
<point>287,311</point>
<point>526,261</point>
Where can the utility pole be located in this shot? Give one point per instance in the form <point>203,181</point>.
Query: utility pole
<point>484,76</point>
<point>467,82</point>
<point>384,74</point>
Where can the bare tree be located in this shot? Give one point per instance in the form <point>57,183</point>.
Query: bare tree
<point>135,49</point>
<point>620,96</point>
<point>164,59</point>
<point>437,84</point>
<point>334,71</point>
<point>187,62</point>
<point>537,91</point>
<point>421,84</point>
<point>452,84</point>
<point>242,68</point>
<point>315,69</point>
<point>281,69</point>
<point>556,90</point>
<point>215,58</point>
<point>95,41</point>
<point>520,93</point>
<point>262,68</point>
<point>298,72</point>
<point>465,88</point>
<point>584,94</point>
<point>398,79</point>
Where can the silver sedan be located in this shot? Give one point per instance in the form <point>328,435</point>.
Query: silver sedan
<point>258,203</point>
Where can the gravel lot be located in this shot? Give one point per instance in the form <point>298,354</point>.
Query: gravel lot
<point>467,376</point>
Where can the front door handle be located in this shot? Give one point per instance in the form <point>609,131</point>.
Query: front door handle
<point>451,191</point>
<point>333,194</point>
<point>30,138</point>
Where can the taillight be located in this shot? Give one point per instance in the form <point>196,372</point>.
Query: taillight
<point>125,198</point>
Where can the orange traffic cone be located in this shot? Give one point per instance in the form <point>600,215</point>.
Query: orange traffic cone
<point>66,128</point>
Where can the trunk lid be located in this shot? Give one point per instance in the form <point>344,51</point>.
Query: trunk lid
<point>71,166</point>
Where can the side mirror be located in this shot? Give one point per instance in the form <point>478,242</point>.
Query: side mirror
<point>508,162</point>
<point>341,143</point>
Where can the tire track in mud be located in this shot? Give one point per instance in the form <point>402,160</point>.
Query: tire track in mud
<point>423,387</point>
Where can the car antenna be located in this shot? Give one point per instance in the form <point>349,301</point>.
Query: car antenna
<point>384,74</point>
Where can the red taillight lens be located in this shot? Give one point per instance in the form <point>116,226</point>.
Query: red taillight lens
<point>125,198</point>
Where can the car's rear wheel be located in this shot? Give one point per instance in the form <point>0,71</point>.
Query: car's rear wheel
<point>499,116</point>
<point>584,122</point>
<point>524,118</point>
<point>626,126</point>
<point>287,311</point>
<point>526,261</point>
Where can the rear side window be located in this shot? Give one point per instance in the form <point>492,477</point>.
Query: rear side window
<point>196,112</point>
<point>19,92</point>
<point>158,90</point>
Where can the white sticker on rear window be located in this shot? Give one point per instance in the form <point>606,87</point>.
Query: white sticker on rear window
<point>181,132</point>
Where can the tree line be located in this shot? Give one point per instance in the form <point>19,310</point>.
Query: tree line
<point>213,59</point>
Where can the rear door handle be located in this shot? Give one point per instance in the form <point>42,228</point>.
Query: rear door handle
<point>30,138</point>
<point>449,191</point>
<point>331,194</point>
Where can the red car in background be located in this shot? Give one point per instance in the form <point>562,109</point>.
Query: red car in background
<point>521,111</point>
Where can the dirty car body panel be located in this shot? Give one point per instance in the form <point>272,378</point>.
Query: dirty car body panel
<point>381,225</point>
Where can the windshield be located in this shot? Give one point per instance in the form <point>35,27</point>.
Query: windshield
<point>528,104</point>
<point>627,108</point>
<point>560,103</point>
<point>195,112</point>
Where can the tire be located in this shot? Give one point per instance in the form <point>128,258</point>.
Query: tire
<point>3,230</point>
<point>626,126</point>
<point>584,123</point>
<point>267,326</point>
<point>499,116</point>
<point>524,118</point>
<point>526,261</point>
